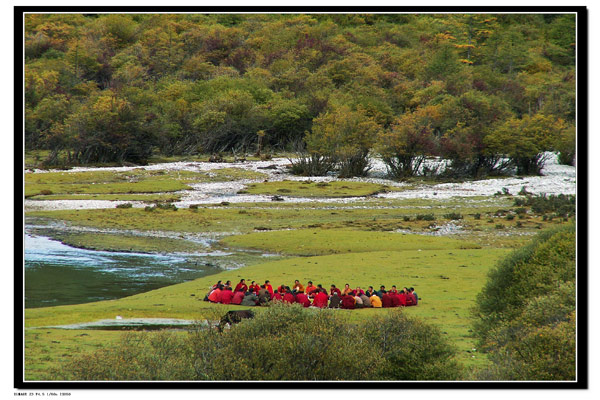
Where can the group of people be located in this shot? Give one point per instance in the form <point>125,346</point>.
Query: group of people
<point>311,295</point>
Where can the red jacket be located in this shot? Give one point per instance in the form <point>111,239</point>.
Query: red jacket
<point>270,289</point>
<point>309,289</point>
<point>289,298</point>
<point>402,298</point>
<point>396,300</point>
<point>302,299</point>
<point>320,300</point>
<point>336,290</point>
<point>348,302</point>
<point>226,296</point>
<point>410,299</point>
<point>256,288</point>
<point>386,300</point>
<point>215,296</point>
<point>241,287</point>
<point>237,298</point>
<point>277,297</point>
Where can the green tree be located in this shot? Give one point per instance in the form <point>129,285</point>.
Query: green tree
<point>346,136</point>
<point>525,141</point>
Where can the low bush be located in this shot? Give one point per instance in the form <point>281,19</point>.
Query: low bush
<point>124,205</point>
<point>425,217</point>
<point>453,216</point>
<point>282,342</point>
<point>311,165</point>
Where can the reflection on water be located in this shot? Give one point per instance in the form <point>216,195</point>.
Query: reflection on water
<point>56,274</point>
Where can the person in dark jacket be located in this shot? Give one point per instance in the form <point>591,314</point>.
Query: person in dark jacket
<point>263,296</point>
<point>370,292</point>
<point>335,301</point>
<point>412,291</point>
<point>250,298</point>
<point>380,292</point>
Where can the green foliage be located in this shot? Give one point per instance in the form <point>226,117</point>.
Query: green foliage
<point>345,136</point>
<point>425,217</point>
<point>115,87</point>
<point>561,204</point>
<point>526,311</point>
<point>524,141</point>
<point>281,343</point>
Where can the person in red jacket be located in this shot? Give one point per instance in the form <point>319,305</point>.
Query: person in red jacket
<point>227,295</point>
<point>309,288</point>
<point>348,302</point>
<point>241,287</point>
<point>216,295</point>
<point>289,297</point>
<point>394,291</point>
<point>402,298</point>
<point>254,286</point>
<point>269,287</point>
<point>276,296</point>
<point>395,299</point>
<point>238,297</point>
<point>333,290</point>
<point>321,299</point>
<point>410,299</point>
<point>386,299</point>
<point>301,298</point>
<point>358,291</point>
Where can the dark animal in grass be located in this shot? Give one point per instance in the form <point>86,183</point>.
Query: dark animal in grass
<point>234,317</point>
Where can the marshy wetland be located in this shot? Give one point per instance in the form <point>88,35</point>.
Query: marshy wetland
<point>147,242</point>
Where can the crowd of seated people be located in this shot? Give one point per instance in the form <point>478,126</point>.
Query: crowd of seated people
<point>311,295</point>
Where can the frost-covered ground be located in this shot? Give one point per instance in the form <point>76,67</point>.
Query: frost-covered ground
<point>556,179</point>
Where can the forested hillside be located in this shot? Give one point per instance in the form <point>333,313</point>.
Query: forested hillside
<point>340,88</point>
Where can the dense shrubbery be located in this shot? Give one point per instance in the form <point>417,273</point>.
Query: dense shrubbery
<point>562,205</point>
<point>526,311</point>
<point>474,89</point>
<point>281,343</point>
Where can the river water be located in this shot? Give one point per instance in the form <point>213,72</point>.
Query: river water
<point>57,274</point>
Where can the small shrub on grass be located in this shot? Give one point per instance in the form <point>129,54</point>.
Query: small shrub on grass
<point>46,192</point>
<point>499,226</point>
<point>124,205</point>
<point>425,217</point>
<point>477,216</point>
<point>311,165</point>
<point>510,217</point>
<point>406,218</point>
<point>194,206</point>
<point>453,216</point>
